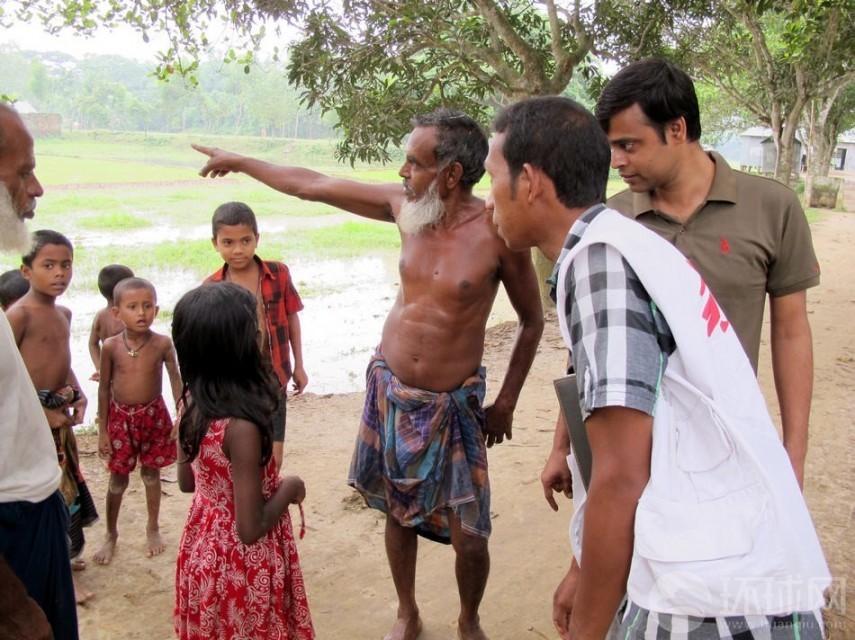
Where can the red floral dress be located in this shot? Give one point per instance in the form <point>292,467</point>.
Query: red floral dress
<point>226,589</point>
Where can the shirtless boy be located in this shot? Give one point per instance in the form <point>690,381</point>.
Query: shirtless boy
<point>106,325</point>
<point>133,421</point>
<point>42,333</point>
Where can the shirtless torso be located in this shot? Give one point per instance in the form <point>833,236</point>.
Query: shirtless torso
<point>137,379</point>
<point>433,337</point>
<point>42,331</point>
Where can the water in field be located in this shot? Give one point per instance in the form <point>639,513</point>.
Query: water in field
<point>341,323</point>
<point>340,327</point>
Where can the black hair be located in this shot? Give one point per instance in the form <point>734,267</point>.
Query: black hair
<point>458,139</point>
<point>231,214</point>
<point>41,239</point>
<point>663,91</point>
<point>131,284</point>
<point>13,286</point>
<point>110,276</point>
<point>214,328</point>
<point>561,138</point>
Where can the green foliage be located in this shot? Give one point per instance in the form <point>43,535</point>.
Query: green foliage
<point>373,64</point>
<point>378,64</point>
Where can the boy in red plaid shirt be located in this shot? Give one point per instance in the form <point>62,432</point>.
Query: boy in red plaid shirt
<point>235,237</point>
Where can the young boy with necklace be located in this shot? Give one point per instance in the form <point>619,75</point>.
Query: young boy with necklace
<point>133,421</point>
<point>42,332</point>
<point>235,237</point>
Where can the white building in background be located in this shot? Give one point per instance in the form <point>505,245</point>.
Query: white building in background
<point>843,158</point>
<point>754,150</point>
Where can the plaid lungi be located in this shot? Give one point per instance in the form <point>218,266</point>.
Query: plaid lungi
<point>419,453</point>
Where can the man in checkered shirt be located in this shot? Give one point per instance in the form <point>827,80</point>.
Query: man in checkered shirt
<point>692,524</point>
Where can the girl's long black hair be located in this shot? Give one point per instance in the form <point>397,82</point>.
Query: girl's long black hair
<point>215,331</point>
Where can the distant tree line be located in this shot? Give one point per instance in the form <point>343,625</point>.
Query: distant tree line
<point>113,92</point>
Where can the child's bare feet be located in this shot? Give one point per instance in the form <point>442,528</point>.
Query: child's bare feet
<point>78,564</point>
<point>81,595</point>
<point>405,629</point>
<point>155,543</point>
<point>104,555</point>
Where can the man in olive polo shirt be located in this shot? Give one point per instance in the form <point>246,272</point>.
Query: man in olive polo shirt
<point>745,234</point>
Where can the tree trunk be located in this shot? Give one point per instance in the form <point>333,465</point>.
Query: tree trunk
<point>786,142</point>
<point>821,148</point>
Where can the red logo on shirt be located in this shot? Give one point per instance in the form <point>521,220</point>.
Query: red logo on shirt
<point>725,247</point>
<point>712,312</point>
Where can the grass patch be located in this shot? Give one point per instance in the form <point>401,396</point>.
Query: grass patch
<point>815,215</point>
<point>195,256</point>
<point>348,239</point>
<point>116,221</point>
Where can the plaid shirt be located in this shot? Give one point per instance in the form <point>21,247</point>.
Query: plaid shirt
<point>639,624</point>
<point>279,300</point>
<point>621,342</point>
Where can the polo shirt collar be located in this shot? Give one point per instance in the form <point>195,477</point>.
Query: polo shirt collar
<point>723,187</point>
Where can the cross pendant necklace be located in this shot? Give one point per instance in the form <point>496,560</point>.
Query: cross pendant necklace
<point>133,352</point>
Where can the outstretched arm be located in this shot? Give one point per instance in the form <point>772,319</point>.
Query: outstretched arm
<point>520,281</point>
<point>376,201</point>
<point>792,366</point>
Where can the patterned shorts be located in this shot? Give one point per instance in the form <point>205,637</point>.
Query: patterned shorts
<point>140,431</point>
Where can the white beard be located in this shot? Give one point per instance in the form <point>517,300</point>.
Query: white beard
<point>14,236</point>
<point>417,215</point>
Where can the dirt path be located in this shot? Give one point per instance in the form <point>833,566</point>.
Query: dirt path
<point>349,585</point>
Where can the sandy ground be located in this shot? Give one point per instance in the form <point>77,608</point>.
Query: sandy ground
<point>348,581</point>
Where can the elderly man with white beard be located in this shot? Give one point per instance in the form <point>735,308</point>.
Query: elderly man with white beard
<point>420,455</point>
<point>34,564</point>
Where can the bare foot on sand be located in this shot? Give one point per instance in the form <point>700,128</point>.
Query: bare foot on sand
<point>155,544</point>
<point>405,629</point>
<point>81,595</point>
<point>472,631</point>
<point>104,555</point>
<point>78,564</point>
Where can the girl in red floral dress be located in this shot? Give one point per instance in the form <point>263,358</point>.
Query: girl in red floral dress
<point>238,576</point>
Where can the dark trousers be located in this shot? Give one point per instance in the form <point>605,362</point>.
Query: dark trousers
<point>34,542</point>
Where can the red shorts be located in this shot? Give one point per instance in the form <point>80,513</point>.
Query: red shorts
<point>140,431</point>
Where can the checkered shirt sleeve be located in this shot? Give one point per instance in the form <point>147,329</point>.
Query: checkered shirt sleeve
<point>620,342</point>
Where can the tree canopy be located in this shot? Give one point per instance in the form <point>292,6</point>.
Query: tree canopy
<point>374,63</point>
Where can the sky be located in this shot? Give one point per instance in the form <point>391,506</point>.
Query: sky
<point>121,41</point>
